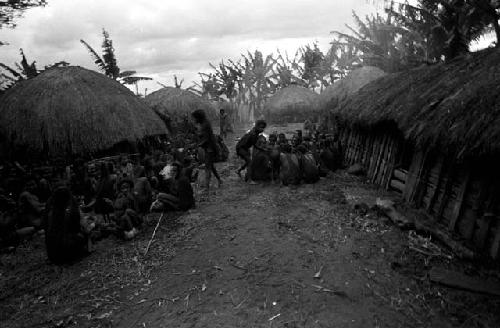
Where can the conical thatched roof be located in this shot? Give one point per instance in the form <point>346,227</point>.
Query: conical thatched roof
<point>446,105</point>
<point>341,89</point>
<point>73,110</point>
<point>292,104</point>
<point>171,102</point>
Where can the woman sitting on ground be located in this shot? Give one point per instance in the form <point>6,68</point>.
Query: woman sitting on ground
<point>65,238</point>
<point>176,193</point>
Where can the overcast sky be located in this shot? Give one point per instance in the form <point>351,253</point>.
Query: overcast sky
<point>162,38</point>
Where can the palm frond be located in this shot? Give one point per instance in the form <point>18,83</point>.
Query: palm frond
<point>97,59</point>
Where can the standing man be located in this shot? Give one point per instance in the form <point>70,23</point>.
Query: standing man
<point>243,146</point>
<point>208,143</point>
<point>223,123</point>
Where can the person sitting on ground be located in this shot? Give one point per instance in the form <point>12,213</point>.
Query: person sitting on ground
<point>82,185</point>
<point>243,146</point>
<point>143,192</point>
<point>30,207</point>
<point>44,190</point>
<point>105,193</point>
<point>282,141</point>
<point>65,239</point>
<point>261,162</point>
<point>8,236</point>
<point>126,217</point>
<point>273,139</point>
<point>177,195</point>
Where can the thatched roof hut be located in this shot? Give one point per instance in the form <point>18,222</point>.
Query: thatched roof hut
<point>292,104</point>
<point>341,89</point>
<point>450,105</point>
<point>72,110</point>
<point>175,102</point>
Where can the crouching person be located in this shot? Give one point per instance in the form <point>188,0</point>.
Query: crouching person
<point>126,217</point>
<point>65,238</point>
<point>177,195</point>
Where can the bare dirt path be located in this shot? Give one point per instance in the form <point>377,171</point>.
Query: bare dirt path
<point>250,256</point>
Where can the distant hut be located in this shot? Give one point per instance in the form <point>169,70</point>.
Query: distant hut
<point>341,89</point>
<point>176,104</point>
<point>292,104</point>
<point>70,111</point>
<point>433,133</point>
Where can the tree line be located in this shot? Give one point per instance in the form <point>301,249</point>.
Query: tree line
<point>404,35</point>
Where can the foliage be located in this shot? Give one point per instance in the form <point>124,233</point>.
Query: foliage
<point>107,63</point>
<point>12,9</point>
<point>22,71</point>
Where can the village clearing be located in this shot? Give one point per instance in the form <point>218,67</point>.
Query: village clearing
<point>252,256</point>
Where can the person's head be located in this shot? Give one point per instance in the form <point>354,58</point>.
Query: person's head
<point>61,196</point>
<point>273,138</point>
<point>299,133</point>
<point>222,111</point>
<point>126,185</point>
<point>260,126</point>
<point>262,139</point>
<point>281,137</point>
<point>199,116</point>
<point>176,169</point>
<point>302,149</point>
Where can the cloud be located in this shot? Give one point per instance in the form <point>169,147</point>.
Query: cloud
<point>159,38</point>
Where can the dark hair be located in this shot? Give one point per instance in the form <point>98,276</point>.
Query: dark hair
<point>222,110</point>
<point>261,123</point>
<point>199,116</point>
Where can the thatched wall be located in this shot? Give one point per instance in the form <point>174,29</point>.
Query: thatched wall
<point>462,196</point>
<point>453,105</point>
<point>292,104</point>
<point>449,114</point>
<point>343,88</point>
<point>72,110</point>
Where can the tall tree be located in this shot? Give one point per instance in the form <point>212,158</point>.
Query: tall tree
<point>108,63</point>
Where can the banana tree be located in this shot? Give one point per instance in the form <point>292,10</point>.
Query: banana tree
<point>107,63</point>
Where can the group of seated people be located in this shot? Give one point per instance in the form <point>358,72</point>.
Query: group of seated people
<point>91,200</point>
<point>303,159</point>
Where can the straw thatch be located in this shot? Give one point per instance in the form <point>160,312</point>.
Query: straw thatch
<point>455,105</point>
<point>175,102</point>
<point>292,104</point>
<point>341,89</point>
<point>72,110</point>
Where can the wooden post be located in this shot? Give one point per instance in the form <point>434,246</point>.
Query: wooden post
<point>434,192</point>
<point>483,228</point>
<point>457,209</point>
<point>391,158</point>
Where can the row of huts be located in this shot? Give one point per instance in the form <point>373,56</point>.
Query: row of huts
<point>433,135</point>
<point>70,112</point>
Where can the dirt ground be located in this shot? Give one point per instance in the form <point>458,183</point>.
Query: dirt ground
<point>249,256</point>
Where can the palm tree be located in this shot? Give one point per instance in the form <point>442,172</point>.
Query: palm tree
<point>107,63</point>
<point>23,71</point>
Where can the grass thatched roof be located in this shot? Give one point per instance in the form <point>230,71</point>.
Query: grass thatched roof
<point>293,100</point>
<point>456,104</point>
<point>171,102</point>
<point>73,110</point>
<point>341,89</point>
